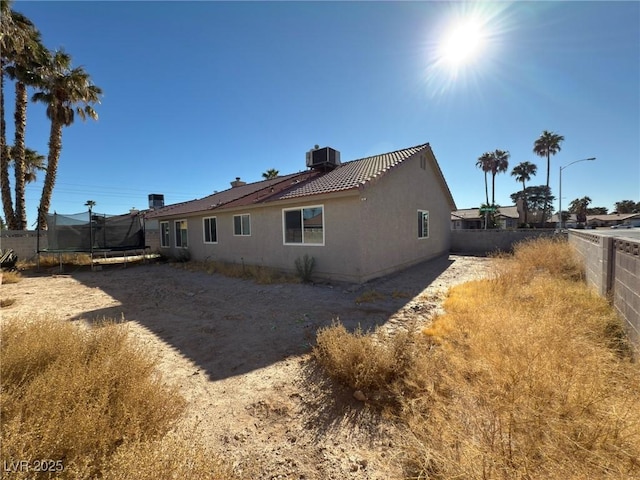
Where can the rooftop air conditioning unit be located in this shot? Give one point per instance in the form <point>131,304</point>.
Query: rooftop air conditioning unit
<point>156,200</point>
<point>323,158</point>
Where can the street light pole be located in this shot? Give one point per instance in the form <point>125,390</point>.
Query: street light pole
<point>560,189</point>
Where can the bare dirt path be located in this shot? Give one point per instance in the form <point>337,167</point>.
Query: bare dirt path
<point>240,353</point>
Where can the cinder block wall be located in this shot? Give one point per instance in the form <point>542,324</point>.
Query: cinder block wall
<point>481,242</point>
<point>596,252</point>
<point>626,285</point>
<point>23,242</point>
<point>613,268</point>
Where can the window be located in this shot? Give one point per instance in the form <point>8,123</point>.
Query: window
<point>181,233</point>
<point>164,234</point>
<point>242,224</point>
<point>423,224</point>
<point>304,225</point>
<point>210,230</point>
<point>423,162</point>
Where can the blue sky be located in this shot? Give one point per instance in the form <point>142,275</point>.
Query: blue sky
<point>198,93</point>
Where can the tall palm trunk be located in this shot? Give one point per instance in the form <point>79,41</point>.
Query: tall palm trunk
<point>5,188</point>
<point>20,117</point>
<point>486,188</point>
<point>493,188</point>
<point>546,197</point>
<point>524,199</point>
<point>55,147</point>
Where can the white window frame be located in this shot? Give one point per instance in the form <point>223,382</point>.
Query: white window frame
<point>204,230</point>
<point>301,209</point>
<point>242,232</point>
<point>421,216</point>
<point>165,242</point>
<point>179,237</point>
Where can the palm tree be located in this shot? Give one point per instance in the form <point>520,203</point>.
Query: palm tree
<point>24,69</point>
<point>523,172</point>
<point>579,207</point>
<point>547,144</point>
<point>33,162</point>
<point>499,164</point>
<point>484,163</point>
<point>11,41</point>
<point>271,173</point>
<point>65,92</point>
<point>6,40</point>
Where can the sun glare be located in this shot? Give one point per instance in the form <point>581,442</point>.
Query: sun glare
<point>462,43</point>
<point>462,47</point>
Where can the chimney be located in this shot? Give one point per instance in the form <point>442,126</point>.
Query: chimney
<point>237,183</point>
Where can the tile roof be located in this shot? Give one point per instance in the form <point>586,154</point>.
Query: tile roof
<point>224,198</point>
<point>350,175</point>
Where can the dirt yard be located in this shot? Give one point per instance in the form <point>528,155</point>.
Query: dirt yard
<point>240,353</point>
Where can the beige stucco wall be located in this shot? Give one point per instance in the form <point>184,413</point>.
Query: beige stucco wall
<point>369,232</point>
<point>389,218</point>
<point>337,259</point>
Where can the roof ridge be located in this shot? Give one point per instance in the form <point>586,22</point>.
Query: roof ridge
<point>349,175</point>
<point>419,147</point>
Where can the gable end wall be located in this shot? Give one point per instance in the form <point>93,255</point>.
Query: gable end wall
<point>389,219</point>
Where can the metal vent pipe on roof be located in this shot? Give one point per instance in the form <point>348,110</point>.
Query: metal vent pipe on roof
<point>237,183</point>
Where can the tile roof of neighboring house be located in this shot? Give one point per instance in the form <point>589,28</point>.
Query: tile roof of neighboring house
<point>474,213</point>
<point>571,218</point>
<point>611,217</point>
<point>349,175</point>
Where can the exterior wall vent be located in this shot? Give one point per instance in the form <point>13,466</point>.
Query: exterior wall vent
<point>323,158</point>
<point>156,200</point>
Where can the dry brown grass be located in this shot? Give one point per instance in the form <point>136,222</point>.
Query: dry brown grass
<point>259,274</point>
<point>370,296</point>
<point>530,257</point>
<point>527,376</point>
<point>88,397</point>
<point>53,260</point>
<point>168,457</point>
<point>10,277</point>
<point>361,361</point>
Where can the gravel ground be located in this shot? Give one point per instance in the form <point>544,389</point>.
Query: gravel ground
<point>240,353</point>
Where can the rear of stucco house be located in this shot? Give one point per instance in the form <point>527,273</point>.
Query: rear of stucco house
<point>359,220</point>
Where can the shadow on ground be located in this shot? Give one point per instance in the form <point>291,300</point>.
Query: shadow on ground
<point>229,326</point>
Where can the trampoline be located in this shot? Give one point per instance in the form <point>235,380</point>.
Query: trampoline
<point>94,234</point>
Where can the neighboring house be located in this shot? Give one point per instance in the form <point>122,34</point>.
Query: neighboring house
<point>594,221</point>
<point>472,218</point>
<point>571,220</point>
<point>612,219</point>
<point>359,220</point>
